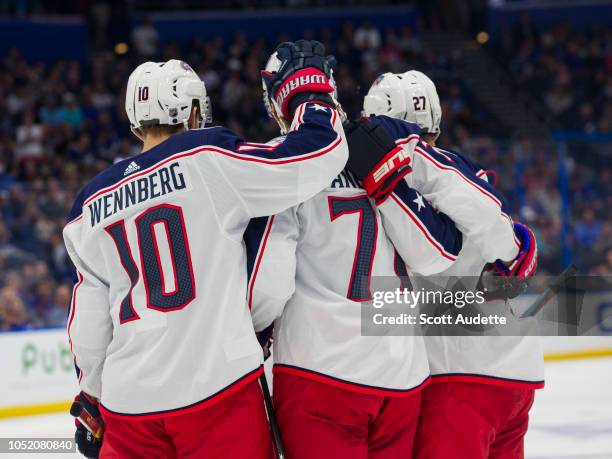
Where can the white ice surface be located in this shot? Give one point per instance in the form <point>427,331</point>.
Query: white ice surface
<point>571,418</point>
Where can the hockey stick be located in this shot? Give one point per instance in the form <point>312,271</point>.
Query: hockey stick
<point>551,292</point>
<point>276,438</point>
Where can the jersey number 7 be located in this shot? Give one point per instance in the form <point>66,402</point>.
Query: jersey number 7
<point>151,225</point>
<point>367,232</point>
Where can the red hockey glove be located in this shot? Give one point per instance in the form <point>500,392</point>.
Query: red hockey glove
<point>89,425</point>
<point>304,75</point>
<point>374,158</point>
<point>526,262</point>
<point>511,281</point>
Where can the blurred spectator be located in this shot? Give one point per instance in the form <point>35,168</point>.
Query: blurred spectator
<point>70,113</point>
<point>58,313</point>
<point>13,315</point>
<point>29,138</point>
<point>145,38</point>
<point>587,230</point>
<point>367,37</point>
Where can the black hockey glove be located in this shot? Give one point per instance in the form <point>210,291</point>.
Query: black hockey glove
<point>304,75</point>
<point>374,158</point>
<point>89,425</point>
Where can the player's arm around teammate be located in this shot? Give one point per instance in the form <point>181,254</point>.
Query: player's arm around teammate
<point>122,306</point>
<point>447,182</point>
<point>338,393</point>
<point>482,387</point>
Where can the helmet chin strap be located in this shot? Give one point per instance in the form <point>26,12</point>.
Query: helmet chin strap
<point>283,124</point>
<point>137,133</point>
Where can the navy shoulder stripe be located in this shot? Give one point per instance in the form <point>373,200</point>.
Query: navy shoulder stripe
<point>398,129</point>
<point>468,162</point>
<point>218,136</point>
<point>439,225</point>
<point>466,167</point>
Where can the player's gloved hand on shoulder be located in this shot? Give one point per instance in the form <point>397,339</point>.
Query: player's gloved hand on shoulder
<point>374,157</point>
<point>303,75</point>
<point>511,278</point>
<point>89,425</point>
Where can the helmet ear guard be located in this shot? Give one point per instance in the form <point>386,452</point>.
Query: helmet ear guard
<point>426,110</point>
<point>417,99</point>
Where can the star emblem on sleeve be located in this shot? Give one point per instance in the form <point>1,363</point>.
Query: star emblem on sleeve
<point>419,201</point>
<point>318,107</point>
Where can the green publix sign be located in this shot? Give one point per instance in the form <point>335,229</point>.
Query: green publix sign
<point>45,359</point>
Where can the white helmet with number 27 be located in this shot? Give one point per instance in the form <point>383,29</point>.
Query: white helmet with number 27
<point>409,96</point>
<point>163,93</point>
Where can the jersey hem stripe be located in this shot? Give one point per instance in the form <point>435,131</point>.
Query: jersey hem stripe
<point>348,385</point>
<point>486,379</point>
<point>204,403</point>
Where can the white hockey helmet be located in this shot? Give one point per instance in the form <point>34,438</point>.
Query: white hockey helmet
<point>386,97</point>
<point>409,96</point>
<point>163,93</point>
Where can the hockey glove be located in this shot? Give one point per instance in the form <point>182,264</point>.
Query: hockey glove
<point>509,281</point>
<point>304,75</point>
<point>89,425</point>
<point>526,262</point>
<point>374,158</point>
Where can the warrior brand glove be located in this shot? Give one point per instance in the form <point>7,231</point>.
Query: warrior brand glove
<point>510,281</point>
<point>89,425</point>
<point>304,75</point>
<point>374,158</point>
<point>265,340</point>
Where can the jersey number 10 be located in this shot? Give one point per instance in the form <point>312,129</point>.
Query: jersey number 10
<point>169,219</point>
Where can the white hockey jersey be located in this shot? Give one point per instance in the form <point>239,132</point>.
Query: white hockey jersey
<point>452,187</point>
<point>458,186</point>
<point>514,361</point>
<point>311,267</point>
<point>508,361</point>
<point>158,320</point>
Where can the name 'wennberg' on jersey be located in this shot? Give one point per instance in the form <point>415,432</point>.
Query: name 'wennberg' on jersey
<point>160,182</point>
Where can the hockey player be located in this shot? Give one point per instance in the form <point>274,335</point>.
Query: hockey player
<point>482,387</point>
<point>166,354</point>
<point>338,393</point>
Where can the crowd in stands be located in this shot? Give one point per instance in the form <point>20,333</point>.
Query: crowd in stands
<point>61,123</point>
<point>569,70</point>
